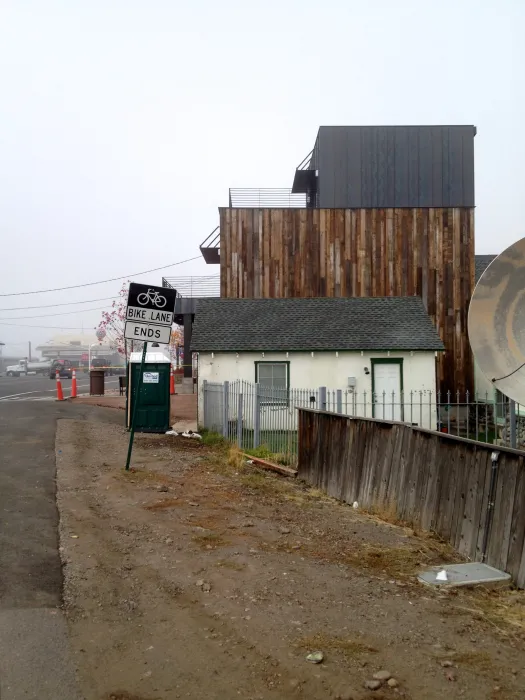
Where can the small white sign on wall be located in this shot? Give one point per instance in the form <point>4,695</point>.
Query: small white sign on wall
<point>150,377</point>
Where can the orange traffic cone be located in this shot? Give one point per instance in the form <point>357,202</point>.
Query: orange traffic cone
<point>60,393</point>
<point>172,381</point>
<point>74,385</point>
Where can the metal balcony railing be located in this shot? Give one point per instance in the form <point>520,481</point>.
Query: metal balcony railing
<point>265,198</point>
<point>305,180</point>
<point>210,247</point>
<point>306,162</point>
<point>194,287</point>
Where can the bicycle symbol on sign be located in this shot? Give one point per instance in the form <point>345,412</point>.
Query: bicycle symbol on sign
<point>153,296</point>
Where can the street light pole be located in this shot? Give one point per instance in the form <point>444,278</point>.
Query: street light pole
<point>89,354</point>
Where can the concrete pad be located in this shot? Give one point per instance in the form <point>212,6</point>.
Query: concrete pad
<point>470,574</point>
<point>35,659</point>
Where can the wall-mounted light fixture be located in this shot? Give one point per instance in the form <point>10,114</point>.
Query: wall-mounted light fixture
<point>367,371</point>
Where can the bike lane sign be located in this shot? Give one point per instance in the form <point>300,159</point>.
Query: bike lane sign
<point>149,313</point>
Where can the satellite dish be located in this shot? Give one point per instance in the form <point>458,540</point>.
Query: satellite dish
<point>496,322</point>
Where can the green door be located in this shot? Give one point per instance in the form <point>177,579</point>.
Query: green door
<point>153,413</point>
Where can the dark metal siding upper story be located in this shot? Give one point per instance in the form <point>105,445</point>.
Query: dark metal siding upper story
<point>395,166</point>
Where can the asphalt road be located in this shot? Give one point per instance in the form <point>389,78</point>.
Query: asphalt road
<point>41,387</point>
<point>35,660</point>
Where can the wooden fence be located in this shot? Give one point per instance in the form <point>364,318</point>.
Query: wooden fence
<point>435,481</point>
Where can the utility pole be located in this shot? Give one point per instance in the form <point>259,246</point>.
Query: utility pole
<point>29,358</point>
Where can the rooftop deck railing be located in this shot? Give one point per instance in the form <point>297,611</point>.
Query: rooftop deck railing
<point>265,198</point>
<point>194,287</point>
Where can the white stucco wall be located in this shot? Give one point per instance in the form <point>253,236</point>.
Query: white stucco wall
<point>332,370</point>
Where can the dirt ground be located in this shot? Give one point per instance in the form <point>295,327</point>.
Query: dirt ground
<point>195,575</point>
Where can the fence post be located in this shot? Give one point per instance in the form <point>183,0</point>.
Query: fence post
<point>339,401</point>
<point>257,418</point>
<point>239,419</point>
<point>322,398</point>
<point>512,423</point>
<point>204,403</point>
<point>225,409</point>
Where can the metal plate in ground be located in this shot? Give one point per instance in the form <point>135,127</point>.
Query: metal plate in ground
<point>471,574</point>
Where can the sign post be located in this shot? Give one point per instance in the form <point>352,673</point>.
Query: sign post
<point>149,317</point>
<point>135,406</point>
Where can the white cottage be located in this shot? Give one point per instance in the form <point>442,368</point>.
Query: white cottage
<point>379,352</point>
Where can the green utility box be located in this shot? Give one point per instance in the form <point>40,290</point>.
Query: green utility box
<point>153,411</point>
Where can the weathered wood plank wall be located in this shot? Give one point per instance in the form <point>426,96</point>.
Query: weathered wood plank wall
<point>435,481</point>
<point>357,253</point>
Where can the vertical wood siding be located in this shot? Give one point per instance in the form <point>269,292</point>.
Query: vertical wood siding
<point>360,252</point>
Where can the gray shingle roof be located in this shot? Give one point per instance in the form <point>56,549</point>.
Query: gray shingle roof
<point>380,323</point>
<point>481,263</point>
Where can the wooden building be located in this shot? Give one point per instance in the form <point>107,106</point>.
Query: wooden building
<point>293,252</point>
<point>373,211</point>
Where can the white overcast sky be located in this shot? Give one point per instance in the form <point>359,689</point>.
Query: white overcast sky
<point>124,122</point>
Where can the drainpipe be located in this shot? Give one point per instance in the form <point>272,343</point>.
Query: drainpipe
<point>490,505</point>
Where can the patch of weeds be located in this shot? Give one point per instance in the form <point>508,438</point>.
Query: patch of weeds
<point>504,609</point>
<point>224,458</point>
<point>211,539</point>
<point>392,559</point>
<point>211,438</point>
<point>230,564</point>
<point>287,460</point>
<point>397,562</point>
<point>404,561</point>
<point>387,513</point>
<point>235,459</point>
<point>308,497</point>
<point>255,480</point>
<point>262,452</point>
<point>324,642</point>
<point>318,495</point>
<point>479,660</point>
<point>266,483</point>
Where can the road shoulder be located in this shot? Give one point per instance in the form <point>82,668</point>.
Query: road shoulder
<point>35,659</point>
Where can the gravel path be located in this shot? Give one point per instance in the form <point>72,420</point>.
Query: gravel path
<point>195,577</point>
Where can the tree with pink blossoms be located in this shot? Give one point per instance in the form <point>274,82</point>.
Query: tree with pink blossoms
<point>113,322</point>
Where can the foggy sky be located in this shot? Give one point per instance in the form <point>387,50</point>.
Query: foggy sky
<point>124,122</point>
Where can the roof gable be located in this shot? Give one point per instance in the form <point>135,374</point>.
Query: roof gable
<point>481,263</point>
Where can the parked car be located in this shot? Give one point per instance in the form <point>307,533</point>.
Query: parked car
<point>65,369</point>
